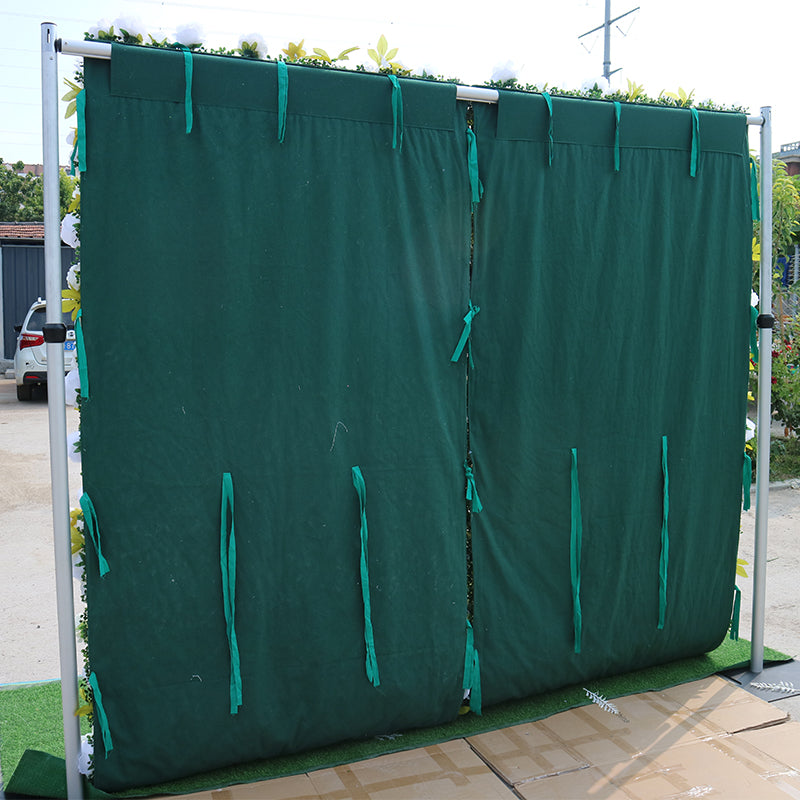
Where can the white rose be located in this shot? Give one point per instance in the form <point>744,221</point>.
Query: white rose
<point>505,72</point>
<point>258,40</point>
<point>68,234</point>
<point>189,35</point>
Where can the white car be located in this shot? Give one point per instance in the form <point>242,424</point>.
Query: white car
<point>30,358</point>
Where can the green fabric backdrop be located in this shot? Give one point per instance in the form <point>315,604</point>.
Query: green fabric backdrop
<point>614,311</point>
<point>285,311</point>
<point>281,312</point>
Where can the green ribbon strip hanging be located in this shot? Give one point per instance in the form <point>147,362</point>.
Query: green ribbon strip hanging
<point>695,143</point>
<point>90,521</point>
<point>101,715</point>
<point>747,481</point>
<point>472,672</point>
<point>475,185</point>
<point>466,333</point>
<point>472,491</point>
<point>617,115</point>
<point>227,561</point>
<point>754,333</point>
<point>755,206</point>
<point>737,607</point>
<point>72,157</point>
<point>187,71</point>
<point>397,114</point>
<point>80,107</point>
<point>576,536</point>
<point>550,143</point>
<point>664,560</point>
<point>80,345</point>
<point>283,98</point>
<point>369,639</point>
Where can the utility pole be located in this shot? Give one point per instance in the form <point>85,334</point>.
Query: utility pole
<point>606,26</point>
<point>607,43</point>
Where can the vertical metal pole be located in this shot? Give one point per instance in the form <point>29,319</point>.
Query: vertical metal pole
<point>59,475</point>
<point>764,400</point>
<point>607,43</point>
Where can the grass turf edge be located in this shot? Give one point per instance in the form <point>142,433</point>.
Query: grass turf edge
<point>21,730</point>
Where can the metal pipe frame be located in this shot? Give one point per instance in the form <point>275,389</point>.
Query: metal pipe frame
<point>57,411</point>
<point>764,400</point>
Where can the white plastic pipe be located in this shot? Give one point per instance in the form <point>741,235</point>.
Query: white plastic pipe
<point>56,409</point>
<point>764,401</point>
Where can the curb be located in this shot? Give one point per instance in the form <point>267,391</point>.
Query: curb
<point>792,483</point>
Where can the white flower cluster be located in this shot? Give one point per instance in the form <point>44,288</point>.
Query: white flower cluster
<point>189,35</point>
<point>600,83</point>
<point>72,387</point>
<point>85,756</point>
<point>254,43</point>
<point>68,233</point>
<point>508,71</point>
<point>74,277</point>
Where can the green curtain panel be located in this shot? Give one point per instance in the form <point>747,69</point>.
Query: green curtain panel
<point>280,313</point>
<point>607,403</point>
<point>322,320</point>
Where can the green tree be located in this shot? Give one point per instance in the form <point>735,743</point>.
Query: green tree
<point>21,195</point>
<point>785,394</point>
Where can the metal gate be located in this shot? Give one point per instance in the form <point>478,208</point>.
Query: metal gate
<point>22,270</point>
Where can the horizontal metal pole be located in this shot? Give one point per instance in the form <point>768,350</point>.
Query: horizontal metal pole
<point>477,94</point>
<point>80,47</point>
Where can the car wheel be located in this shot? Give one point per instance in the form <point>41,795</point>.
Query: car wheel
<point>24,392</point>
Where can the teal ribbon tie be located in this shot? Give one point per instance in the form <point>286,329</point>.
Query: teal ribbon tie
<point>617,115</point>
<point>576,536</point>
<point>397,114</point>
<point>283,98</point>
<point>90,521</point>
<point>101,715</point>
<point>737,607</point>
<point>754,333</point>
<point>472,672</point>
<point>475,185</point>
<point>664,559</point>
<point>369,639</point>
<point>227,561</point>
<point>466,334</point>
<point>695,143</point>
<point>73,156</point>
<point>550,140</point>
<point>755,205</point>
<point>80,346</point>
<point>472,490</point>
<point>80,107</point>
<point>187,72</point>
<point>747,481</point>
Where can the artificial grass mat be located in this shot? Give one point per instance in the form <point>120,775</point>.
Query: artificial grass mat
<point>30,720</point>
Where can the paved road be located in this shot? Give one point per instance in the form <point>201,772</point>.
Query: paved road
<point>28,622</point>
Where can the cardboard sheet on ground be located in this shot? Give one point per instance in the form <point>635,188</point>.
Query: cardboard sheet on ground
<point>706,738</point>
<point>322,323</point>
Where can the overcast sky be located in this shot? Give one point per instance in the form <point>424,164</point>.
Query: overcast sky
<point>737,52</point>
